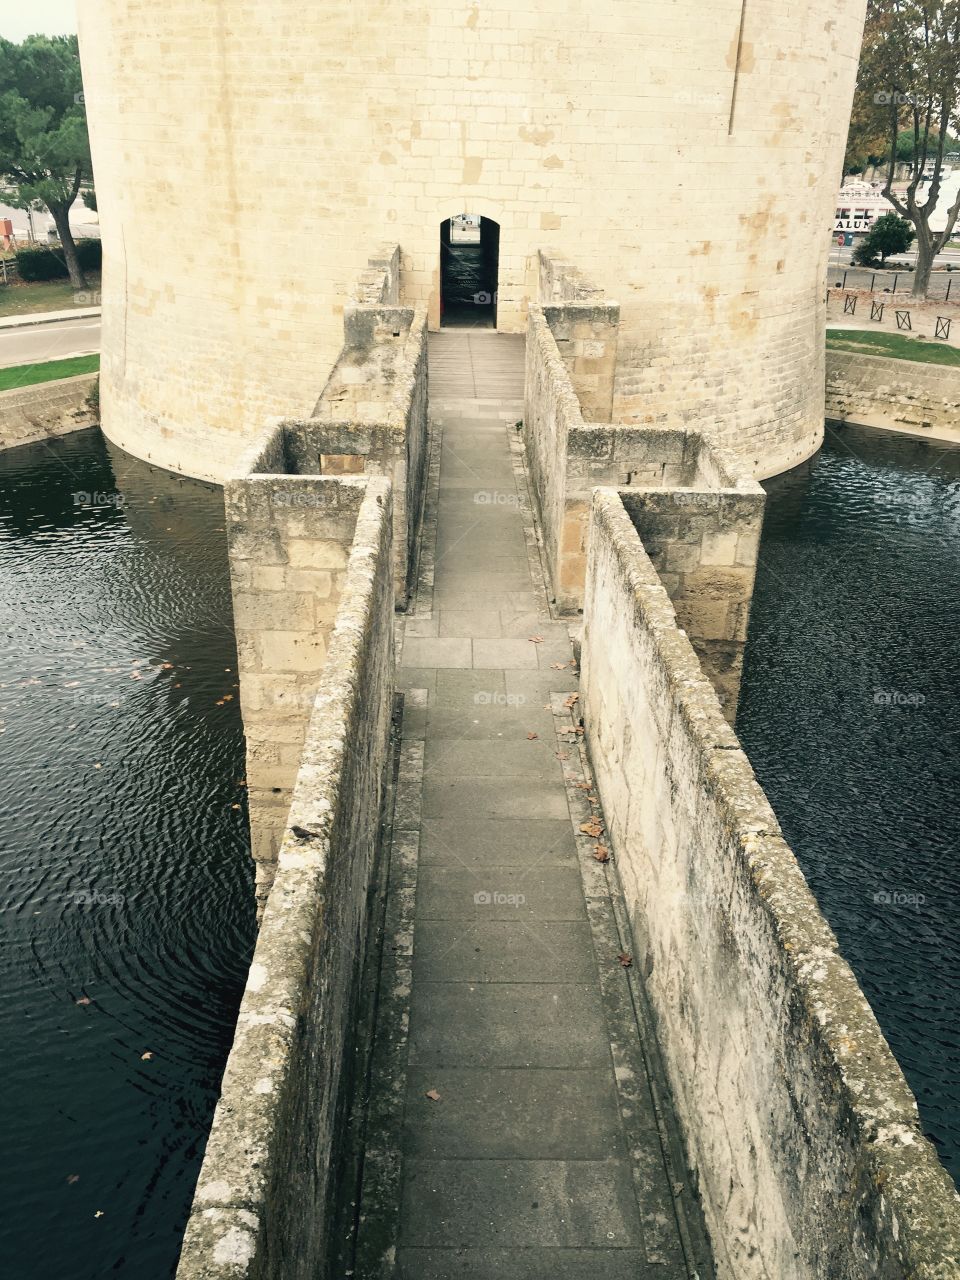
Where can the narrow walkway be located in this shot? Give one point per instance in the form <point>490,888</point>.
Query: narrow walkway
<point>514,1130</point>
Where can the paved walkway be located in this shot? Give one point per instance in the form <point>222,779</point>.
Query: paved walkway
<point>514,1129</point>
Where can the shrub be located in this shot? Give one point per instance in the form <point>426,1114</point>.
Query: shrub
<point>44,263</point>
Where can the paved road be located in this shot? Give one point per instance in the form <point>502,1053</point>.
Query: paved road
<point>36,343</point>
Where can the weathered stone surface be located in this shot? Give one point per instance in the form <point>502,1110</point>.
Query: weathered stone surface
<point>261,1201</point>
<point>877,391</point>
<point>30,414</point>
<point>803,1130</point>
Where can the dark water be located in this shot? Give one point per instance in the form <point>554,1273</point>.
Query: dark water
<point>851,714</point>
<point>125,881</point>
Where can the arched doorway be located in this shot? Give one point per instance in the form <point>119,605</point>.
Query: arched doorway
<point>469,272</point>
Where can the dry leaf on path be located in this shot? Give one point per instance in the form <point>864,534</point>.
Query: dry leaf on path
<point>432,1095</point>
<point>625,960</point>
<point>592,828</point>
<point>532,737</point>
<point>535,639</point>
<point>602,853</point>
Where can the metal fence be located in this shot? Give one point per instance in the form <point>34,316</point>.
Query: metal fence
<point>943,284</point>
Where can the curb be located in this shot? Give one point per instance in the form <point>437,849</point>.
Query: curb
<point>48,317</point>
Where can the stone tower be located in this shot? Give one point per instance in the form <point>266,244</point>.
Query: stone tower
<point>251,156</point>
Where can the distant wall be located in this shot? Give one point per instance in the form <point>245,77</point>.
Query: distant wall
<point>876,392</point>
<point>261,1210</point>
<point>29,414</point>
<point>797,1119</point>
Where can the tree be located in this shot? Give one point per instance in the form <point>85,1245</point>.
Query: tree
<point>889,234</point>
<point>909,71</point>
<point>44,147</point>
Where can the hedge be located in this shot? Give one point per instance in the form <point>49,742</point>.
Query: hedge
<point>48,264</point>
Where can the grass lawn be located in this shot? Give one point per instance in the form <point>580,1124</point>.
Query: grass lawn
<point>47,295</point>
<point>869,342</point>
<point>25,375</point>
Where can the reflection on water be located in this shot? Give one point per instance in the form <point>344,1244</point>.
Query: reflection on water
<point>850,713</point>
<point>126,882</point>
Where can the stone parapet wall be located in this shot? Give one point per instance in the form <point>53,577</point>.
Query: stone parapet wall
<point>693,500</point>
<point>289,540</point>
<point>798,1123</point>
<point>34,413</point>
<point>261,1208</point>
<point>876,391</point>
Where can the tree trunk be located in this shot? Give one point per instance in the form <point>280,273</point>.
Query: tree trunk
<point>926,252</point>
<point>61,216</point>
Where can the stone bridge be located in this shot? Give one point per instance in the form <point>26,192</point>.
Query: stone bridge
<point>540,990</point>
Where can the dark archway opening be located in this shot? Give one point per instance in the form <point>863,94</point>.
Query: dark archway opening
<point>469,272</point>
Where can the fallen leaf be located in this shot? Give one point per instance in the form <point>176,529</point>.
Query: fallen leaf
<point>559,666</point>
<point>572,700</point>
<point>234,806</point>
<point>145,1057</point>
<point>535,639</point>
<point>98,1214</point>
<point>228,697</point>
<point>594,827</point>
<point>71,684</point>
<point>83,1000</point>
<point>98,766</point>
<point>72,1178</point>
<point>166,666</point>
<point>584,786</point>
<point>562,755</point>
<point>625,960</point>
<point>602,853</point>
<point>432,1095</point>
<point>532,736</point>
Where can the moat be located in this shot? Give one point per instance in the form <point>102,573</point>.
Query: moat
<point>850,712</point>
<point>127,887</point>
<point>127,895</point>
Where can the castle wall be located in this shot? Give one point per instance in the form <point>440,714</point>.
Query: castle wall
<point>45,409</point>
<point>247,155</point>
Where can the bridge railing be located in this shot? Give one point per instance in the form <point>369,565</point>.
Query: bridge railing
<point>801,1128</point>
<point>260,1208</point>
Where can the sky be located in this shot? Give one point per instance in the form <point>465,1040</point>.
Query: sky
<point>46,17</point>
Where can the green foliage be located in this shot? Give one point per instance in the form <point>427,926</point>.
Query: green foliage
<point>48,263</point>
<point>90,200</point>
<point>889,234</point>
<point>44,147</point>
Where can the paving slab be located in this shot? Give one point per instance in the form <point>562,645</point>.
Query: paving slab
<point>488,950</point>
<point>496,842</point>
<point>500,893</point>
<point>496,1114</point>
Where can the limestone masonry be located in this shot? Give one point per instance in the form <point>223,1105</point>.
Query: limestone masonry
<point>249,155</point>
